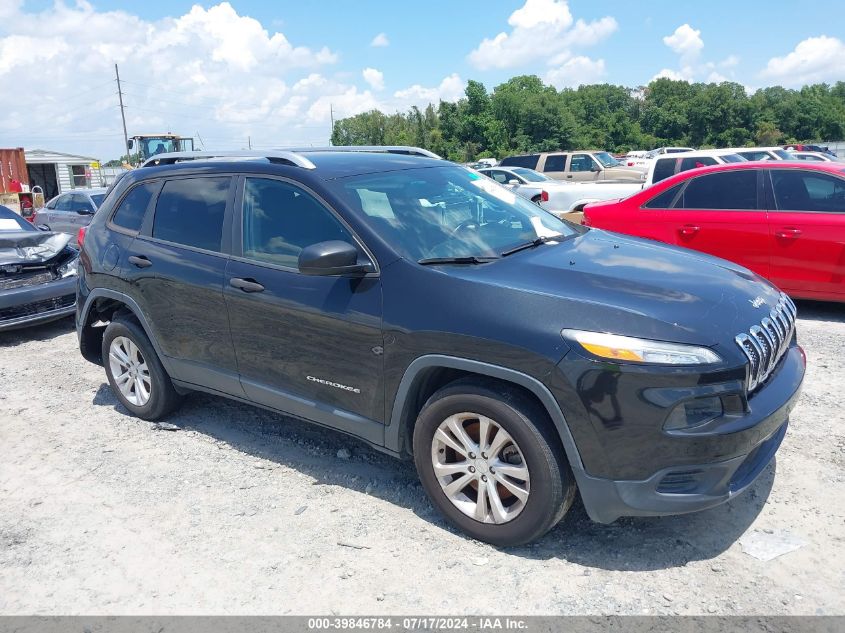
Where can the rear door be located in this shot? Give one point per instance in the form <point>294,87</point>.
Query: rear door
<point>722,213</point>
<point>808,233</point>
<point>309,345</point>
<point>583,167</point>
<point>177,263</point>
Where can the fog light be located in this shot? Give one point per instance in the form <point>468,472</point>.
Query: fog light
<point>693,413</point>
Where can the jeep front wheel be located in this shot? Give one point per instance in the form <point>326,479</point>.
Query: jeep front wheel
<point>491,463</point>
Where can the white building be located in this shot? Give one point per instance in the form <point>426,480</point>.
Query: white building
<point>57,173</point>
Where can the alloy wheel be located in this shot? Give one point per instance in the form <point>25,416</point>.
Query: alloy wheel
<point>129,370</point>
<point>480,468</point>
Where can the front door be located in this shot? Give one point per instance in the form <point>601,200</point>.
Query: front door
<point>307,345</point>
<point>583,167</point>
<point>808,233</point>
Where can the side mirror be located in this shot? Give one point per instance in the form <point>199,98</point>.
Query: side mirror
<point>334,257</point>
<point>131,144</point>
<point>513,181</point>
<point>42,227</point>
<point>85,211</point>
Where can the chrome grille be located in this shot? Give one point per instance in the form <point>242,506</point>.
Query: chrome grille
<point>765,343</point>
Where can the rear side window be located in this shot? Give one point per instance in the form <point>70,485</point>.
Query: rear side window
<point>663,168</point>
<point>555,162</point>
<point>694,163</point>
<point>664,200</point>
<point>529,160</point>
<point>190,212</point>
<point>808,191</point>
<point>722,190</point>
<point>130,212</point>
<point>280,219</point>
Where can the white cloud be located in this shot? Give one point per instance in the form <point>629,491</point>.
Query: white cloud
<point>450,89</point>
<point>380,40</point>
<point>209,70</point>
<point>540,29</point>
<point>729,62</point>
<point>816,59</point>
<point>686,42</point>
<point>374,78</point>
<point>576,71</point>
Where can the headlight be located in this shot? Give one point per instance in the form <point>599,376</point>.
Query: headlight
<point>68,269</point>
<point>638,350</point>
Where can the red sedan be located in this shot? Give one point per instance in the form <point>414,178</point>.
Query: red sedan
<point>783,220</point>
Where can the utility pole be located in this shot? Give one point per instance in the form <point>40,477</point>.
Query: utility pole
<point>122,116</point>
<point>331,116</point>
<point>249,141</point>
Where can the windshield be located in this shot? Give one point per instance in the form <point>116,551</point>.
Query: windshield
<point>449,211</point>
<point>782,153</point>
<point>733,158</point>
<point>530,174</point>
<point>606,159</point>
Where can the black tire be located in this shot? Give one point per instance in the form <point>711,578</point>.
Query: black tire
<point>552,485</point>
<point>163,398</point>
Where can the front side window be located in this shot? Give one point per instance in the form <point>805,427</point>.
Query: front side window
<point>63,203</point>
<point>735,190</point>
<point>190,211</point>
<point>581,162</point>
<point>555,162</point>
<point>280,219</point>
<point>808,191</point>
<point>446,212</point>
<point>130,212</point>
<point>733,158</point>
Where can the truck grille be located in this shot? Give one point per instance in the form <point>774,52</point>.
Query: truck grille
<point>26,279</point>
<point>765,344</point>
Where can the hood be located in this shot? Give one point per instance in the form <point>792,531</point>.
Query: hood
<point>31,247</point>
<point>608,282</point>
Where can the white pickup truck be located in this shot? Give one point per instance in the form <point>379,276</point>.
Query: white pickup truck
<point>564,199</point>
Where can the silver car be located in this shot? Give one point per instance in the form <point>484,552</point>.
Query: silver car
<point>69,212</point>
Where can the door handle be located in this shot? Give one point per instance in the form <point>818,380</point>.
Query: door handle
<point>247,285</point>
<point>689,229</point>
<point>788,233</point>
<point>140,261</point>
<point>569,175</point>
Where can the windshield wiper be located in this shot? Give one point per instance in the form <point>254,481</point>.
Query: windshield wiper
<point>456,260</point>
<point>538,241</point>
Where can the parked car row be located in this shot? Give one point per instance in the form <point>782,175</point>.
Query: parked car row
<point>575,166</point>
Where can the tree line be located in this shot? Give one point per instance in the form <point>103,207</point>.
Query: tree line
<point>525,115</point>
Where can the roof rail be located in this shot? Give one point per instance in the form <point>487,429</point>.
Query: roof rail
<point>290,157</point>
<point>376,149</point>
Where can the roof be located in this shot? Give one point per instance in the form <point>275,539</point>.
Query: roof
<point>47,156</point>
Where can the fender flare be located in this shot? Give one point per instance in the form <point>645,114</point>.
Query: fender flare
<point>393,431</point>
<point>133,307</point>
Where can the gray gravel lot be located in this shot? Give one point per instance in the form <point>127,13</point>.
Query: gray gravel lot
<point>242,511</point>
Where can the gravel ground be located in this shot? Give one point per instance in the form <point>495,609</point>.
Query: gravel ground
<point>240,511</point>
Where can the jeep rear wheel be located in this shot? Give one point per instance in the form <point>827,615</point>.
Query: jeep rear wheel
<point>135,372</point>
<point>491,463</point>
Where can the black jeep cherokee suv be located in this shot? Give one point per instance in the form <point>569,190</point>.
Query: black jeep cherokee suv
<point>431,312</point>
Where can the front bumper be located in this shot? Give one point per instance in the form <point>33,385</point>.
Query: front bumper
<point>699,471</point>
<point>30,305</point>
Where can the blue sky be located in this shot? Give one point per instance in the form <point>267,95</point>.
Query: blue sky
<point>271,70</point>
